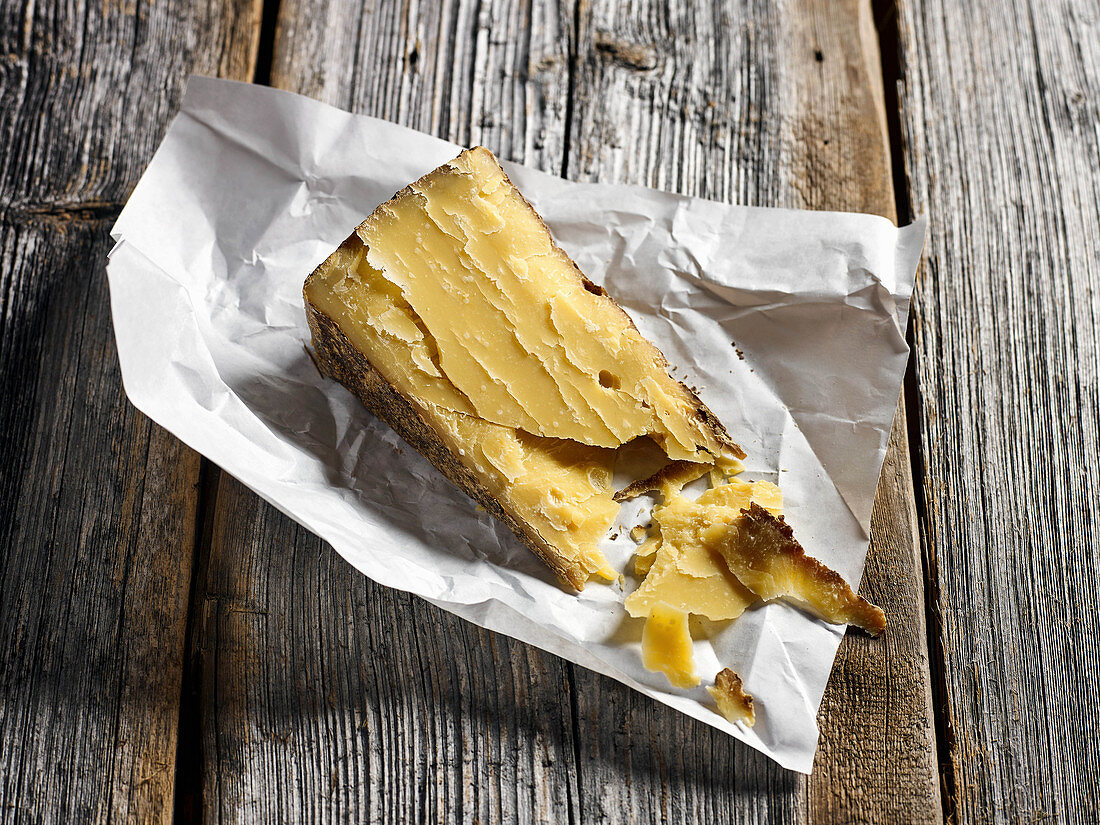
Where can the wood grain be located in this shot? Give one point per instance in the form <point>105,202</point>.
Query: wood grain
<point>381,708</point>
<point>97,506</point>
<point>775,106</point>
<point>494,72</point>
<point>366,703</point>
<point>1000,145</point>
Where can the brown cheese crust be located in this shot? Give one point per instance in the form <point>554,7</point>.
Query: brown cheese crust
<point>729,692</point>
<point>677,473</point>
<point>762,553</point>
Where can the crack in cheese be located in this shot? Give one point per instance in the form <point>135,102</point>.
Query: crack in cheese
<point>530,376</point>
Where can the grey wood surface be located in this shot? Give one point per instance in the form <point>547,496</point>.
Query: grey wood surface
<point>999,117</point>
<point>378,707</point>
<point>97,506</point>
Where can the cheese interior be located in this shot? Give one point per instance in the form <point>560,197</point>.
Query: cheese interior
<point>666,645</point>
<point>459,297</point>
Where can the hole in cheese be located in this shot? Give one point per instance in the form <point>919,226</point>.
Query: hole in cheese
<point>608,381</point>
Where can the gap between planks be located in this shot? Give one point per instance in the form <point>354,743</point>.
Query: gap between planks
<point>567,139</point>
<point>187,799</point>
<point>885,16</point>
<point>187,806</point>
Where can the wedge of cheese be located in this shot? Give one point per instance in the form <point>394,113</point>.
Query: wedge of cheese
<point>454,316</point>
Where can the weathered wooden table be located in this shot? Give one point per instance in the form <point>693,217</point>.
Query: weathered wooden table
<point>171,648</point>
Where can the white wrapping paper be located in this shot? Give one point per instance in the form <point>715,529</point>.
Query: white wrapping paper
<point>253,187</point>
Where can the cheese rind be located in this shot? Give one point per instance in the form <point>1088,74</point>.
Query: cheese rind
<point>669,480</point>
<point>729,694</point>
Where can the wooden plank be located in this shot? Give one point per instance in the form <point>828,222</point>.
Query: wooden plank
<point>999,127</point>
<point>94,577</point>
<point>781,107</point>
<point>97,506</point>
<point>878,750</point>
<point>490,72</point>
<point>362,702</point>
<point>322,694</point>
<point>87,90</point>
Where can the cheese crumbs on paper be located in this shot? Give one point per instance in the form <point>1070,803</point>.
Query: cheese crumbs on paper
<point>733,702</point>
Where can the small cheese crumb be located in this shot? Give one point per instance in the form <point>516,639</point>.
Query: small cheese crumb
<point>733,702</point>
